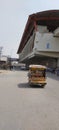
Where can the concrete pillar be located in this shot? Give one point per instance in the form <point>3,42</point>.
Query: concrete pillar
<point>58,62</point>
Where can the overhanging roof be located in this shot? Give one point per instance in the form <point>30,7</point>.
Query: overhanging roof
<point>48,18</point>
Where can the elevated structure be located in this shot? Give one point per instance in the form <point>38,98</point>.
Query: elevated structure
<point>40,40</point>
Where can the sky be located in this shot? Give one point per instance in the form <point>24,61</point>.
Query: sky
<point>13,18</point>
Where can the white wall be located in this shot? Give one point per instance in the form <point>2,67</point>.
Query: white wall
<point>4,58</point>
<point>46,42</point>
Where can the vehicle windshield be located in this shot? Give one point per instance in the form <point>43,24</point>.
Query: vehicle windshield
<point>38,73</point>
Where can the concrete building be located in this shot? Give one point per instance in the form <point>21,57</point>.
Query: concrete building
<point>3,59</point>
<point>40,40</point>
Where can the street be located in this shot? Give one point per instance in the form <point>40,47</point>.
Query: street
<point>28,108</point>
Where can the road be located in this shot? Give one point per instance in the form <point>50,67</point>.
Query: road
<point>28,108</point>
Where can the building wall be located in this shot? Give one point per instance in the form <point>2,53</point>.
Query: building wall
<point>28,48</point>
<point>42,43</point>
<point>46,42</point>
<point>4,58</point>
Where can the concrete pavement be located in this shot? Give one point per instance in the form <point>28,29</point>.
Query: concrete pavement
<point>26,108</point>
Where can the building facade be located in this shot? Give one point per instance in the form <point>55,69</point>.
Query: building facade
<point>40,40</point>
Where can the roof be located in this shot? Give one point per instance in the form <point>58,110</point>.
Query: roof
<point>37,66</point>
<point>49,18</point>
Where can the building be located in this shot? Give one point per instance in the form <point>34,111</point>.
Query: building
<point>3,61</point>
<point>6,62</point>
<point>40,40</point>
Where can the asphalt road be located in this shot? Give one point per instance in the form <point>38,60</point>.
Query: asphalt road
<point>28,108</point>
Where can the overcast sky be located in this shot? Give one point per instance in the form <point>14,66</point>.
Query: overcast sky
<point>13,18</point>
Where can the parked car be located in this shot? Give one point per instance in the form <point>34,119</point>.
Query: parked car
<point>57,71</point>
<point>52,70</point>
<point>23,68</point>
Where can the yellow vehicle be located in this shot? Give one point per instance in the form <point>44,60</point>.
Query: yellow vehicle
<point>37,75</point>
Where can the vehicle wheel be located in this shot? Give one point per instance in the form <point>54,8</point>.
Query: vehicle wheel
<point>43,85</point>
